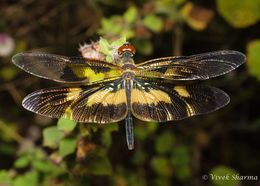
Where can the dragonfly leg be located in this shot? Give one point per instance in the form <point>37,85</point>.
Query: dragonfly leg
<point>129,131</point>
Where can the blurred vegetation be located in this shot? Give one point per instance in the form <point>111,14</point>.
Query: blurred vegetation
<point>35,150</point>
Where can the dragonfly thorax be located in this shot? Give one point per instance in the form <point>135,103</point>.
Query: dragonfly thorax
<point>126,53</point>
<point>128,70</point>
<point>128,66</point>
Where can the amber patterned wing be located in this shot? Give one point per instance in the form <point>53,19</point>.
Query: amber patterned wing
<point>83,104</point>
<point>66,69</point>
<point>166,102</point>
<point>195,67</point>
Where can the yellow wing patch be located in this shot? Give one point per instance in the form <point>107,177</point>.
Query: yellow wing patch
<point>182,91</point>
<point>151,104</point>
<point>152,97</point>
<point>88,104</point>
<point>93,76</point>
<point>106,105</point>
<point>113,73</point>
<point>97,106</point>
<point>190,109</point>
<point>154,102</point>
<point>107,97</point>
<point>73,93</point>
<point>68,114</point>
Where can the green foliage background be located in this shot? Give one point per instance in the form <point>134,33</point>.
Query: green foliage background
<point>35,150</point>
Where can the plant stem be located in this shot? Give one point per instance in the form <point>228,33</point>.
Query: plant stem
<point>10,132</point>
<point>178,40</point>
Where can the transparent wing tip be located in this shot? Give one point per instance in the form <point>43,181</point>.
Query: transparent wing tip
<point>19,59</point>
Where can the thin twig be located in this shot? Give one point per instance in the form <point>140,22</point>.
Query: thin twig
<point>178,40</point>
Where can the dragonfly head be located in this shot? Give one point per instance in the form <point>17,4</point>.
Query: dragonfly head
<point>126,49</point>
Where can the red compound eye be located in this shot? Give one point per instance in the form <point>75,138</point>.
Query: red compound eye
<point>126,47</point>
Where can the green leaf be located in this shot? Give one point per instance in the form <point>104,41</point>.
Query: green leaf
<point>180,156</point>
<point>112,26</point>
<point>39,154</point>
<point>140,132</point>
<point>104,46</point>
<point>240,13</point>
<point>152,126</point>
<point>162,181</point>
<point>118,42</point>
<point>178,2</point>
<point>161,166</point>
<point>139,157</point>
<point>109,59</point>
<point>106,133</point>
<point>253,64</point>
<point>106,138</point>
<point>5,178</point>
<point>144,46</point>
<point>85,131</point>
<point>183,173</point>
<point>164,143</point>
<point>66,125</point>
<point>255,124</point>
<point>143,131</point>
<point>43,165</point>
<point>21,46</point>
<point>111,127</point>
<point>200,19</point>
<point>30,178</point>
<point>8,73</point>
<point>132,179</point>
<point>46,166</point>
<point>94,127</point>
<point>22,162</point>
<point>67,146</point>
<point>52,137</point>
<point>127,33</point>
<point>180,160</point>
<point>7,149</point>
<point>131,14</point>
<point>223,176</point>
<point>101,166</point>
<point>153,22</point>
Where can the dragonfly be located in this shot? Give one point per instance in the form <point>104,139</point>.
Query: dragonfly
<point>104,92</point>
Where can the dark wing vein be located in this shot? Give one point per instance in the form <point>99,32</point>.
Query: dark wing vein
<point>166,102</point>
<point>83,104</point>
<point>195,67</point>
<point>66,69</point>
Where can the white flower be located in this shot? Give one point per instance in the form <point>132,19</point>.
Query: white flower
<point>6,44</point>
<point>91,51</point>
